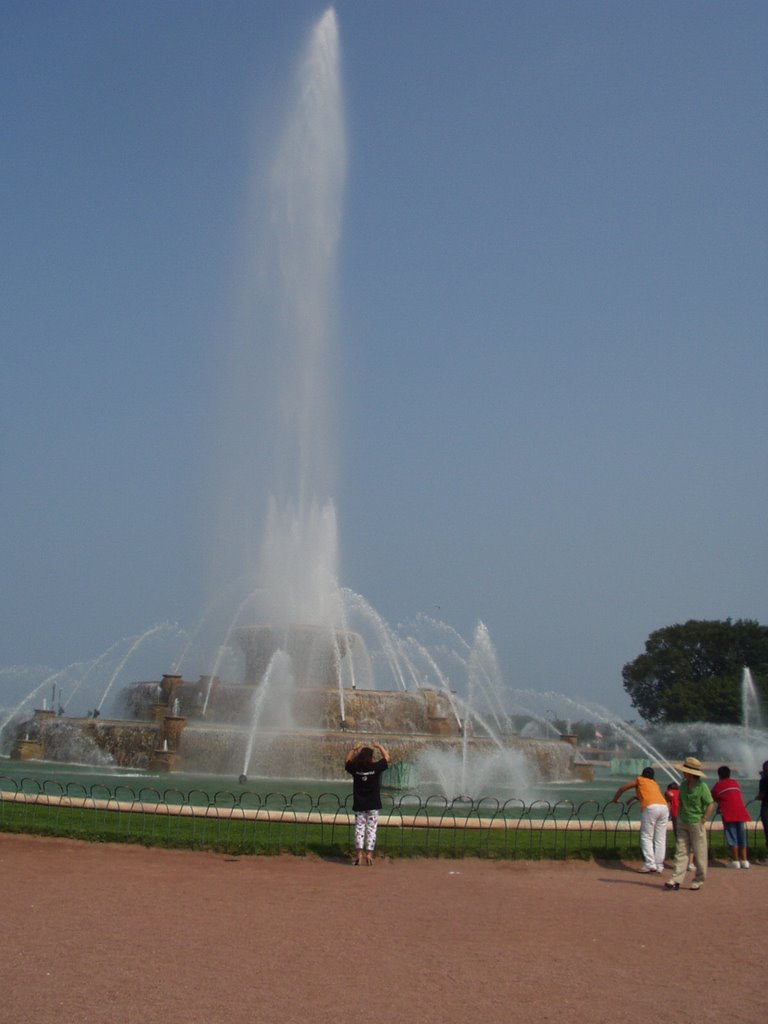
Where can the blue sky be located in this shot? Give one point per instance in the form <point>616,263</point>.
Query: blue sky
<point>552,316</point>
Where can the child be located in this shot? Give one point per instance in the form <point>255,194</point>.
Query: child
<point>726,792</point>
<point>672,796</point>
<point>366,795</point>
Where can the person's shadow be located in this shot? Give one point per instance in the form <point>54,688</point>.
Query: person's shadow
<point>621,871</point>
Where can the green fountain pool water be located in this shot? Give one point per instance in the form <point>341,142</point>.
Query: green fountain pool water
<point>57,779</point>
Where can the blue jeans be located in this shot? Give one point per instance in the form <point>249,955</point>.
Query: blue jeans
<point>735,834</point>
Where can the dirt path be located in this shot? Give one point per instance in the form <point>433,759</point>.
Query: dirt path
<point>101,934</point>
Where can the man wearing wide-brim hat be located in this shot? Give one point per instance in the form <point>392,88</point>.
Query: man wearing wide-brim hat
<point>696,808</point>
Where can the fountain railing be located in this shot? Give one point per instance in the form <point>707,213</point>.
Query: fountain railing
<point>301,822</point>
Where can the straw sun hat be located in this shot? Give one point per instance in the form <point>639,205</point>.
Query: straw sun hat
<point>691,766</point>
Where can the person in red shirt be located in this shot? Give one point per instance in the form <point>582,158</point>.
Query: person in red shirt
<point>672,796</point>
<point>726,793</point>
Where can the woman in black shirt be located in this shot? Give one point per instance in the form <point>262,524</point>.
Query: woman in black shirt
<point>366,795</point>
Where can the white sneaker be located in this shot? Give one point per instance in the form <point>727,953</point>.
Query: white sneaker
<point>734,864</point>
<point>745,863</point>
<point>645,870</point>
<point>691,867</point>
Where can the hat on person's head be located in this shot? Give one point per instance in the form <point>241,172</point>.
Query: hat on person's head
<point>690,766</point>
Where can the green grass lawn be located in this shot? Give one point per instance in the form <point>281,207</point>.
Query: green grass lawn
<point>233,835</point>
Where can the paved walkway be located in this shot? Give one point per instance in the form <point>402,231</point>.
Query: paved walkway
<point>96,934</point>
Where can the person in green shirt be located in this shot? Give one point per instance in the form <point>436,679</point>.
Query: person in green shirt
<point>696,808</point>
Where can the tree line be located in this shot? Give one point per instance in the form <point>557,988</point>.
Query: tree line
<point>693,672</point>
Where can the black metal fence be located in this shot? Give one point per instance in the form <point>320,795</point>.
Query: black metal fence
<point>300,822</point>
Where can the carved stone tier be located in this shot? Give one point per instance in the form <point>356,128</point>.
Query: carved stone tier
<point>315,652</point>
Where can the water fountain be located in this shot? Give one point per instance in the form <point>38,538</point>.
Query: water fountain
<point>743,746</point>
<point>309,678</point>
<point>305,695</point>
<point>751,711</point>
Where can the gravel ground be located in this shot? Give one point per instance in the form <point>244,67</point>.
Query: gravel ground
<point>110,933</point>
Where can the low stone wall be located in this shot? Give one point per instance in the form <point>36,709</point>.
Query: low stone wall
<point>88,741</point>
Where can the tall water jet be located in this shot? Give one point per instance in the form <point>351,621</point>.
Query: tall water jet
<point>298,564</point>
<point>279,431</point>
<point>310,674</point>
<point>751,712</point>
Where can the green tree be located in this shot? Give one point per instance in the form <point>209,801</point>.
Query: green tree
<point>692,672</point>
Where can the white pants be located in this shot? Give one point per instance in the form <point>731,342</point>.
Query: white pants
<point>366,824</point>
<point>653,835</point>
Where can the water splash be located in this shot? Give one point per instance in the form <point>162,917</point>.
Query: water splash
<point>276,679</point>
<point>217,603</point>
<point>222,650</point>
<point>276,454</point>
<point>28,699</point>
<point>457,777</point>
<point>751,711</point>
<point>164,627</point>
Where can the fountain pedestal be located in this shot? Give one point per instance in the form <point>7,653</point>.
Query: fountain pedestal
<point>168,687</point>
<point>158,712</point>
<point>27,750</point>
<point>583,772</point>
<point>166,758</point>
<point>163,761</point>
<point>171,728</point>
